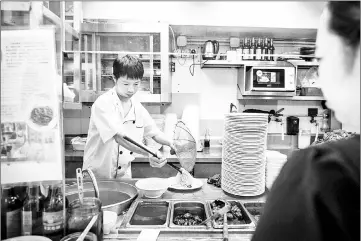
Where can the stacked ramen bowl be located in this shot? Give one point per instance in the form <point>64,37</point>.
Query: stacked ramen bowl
<point>243,155</point>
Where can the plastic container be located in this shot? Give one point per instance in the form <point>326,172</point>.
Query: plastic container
<point>109,221</point>
<point>304,138</point>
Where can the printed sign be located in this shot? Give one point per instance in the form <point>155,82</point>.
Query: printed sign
<point>30,107</point>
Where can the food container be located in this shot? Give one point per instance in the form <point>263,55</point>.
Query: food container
<point>194,208</point>
<point>231,55</point>
<point>149,214</point>
<point>233,224</point>
<point>109,221</point>
<point>79,216</point>
<point>255,209</point>
<point>304,138</point>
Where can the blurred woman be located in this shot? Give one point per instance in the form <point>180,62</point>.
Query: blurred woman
<point>317,194</point>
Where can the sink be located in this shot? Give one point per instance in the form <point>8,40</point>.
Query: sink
<point>195,208</point>
<point>149,213</point>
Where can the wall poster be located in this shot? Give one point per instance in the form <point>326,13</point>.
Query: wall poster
<point>30,107</point>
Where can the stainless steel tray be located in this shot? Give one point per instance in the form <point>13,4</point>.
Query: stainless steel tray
<point>194,207</point>
<point>255,209</point>
<point>149,214</point>
<point>249,222</point>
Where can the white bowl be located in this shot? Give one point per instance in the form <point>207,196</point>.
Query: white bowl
<point>153,187</point>
<point>109,221</point>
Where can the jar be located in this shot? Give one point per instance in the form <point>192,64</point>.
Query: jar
<point>304,138</point>
<point>74,236</point>
<point>79,216</point>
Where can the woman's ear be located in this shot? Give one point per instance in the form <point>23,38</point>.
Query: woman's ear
<point>114,79</point>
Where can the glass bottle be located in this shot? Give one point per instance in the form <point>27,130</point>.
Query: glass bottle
<point>79,215</point>
<point>10,214</point>
<point>253,49</point>
<point>53,218</point>
<point>246,49</point>
<point>271,50</point>
<point>262,49</point>
<point>258,49</point>
<point>265,49</point>
<point>31,214</point>
<point>324,124</point>
<point>207,140</point>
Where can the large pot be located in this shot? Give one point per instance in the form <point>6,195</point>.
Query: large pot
<point>115,196</point>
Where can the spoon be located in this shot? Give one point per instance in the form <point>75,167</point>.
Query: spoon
<point>88,227</point>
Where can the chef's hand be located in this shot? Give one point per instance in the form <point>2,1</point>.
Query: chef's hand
<point>172,148</point>
<point>158,161</point>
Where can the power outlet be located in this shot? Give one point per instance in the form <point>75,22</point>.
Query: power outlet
<point>312,112</point>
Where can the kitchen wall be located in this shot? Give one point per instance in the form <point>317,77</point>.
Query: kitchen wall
<point>211,89</point>
<point>217,13</point>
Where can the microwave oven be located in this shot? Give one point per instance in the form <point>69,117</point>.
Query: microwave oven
<point>264,79</point>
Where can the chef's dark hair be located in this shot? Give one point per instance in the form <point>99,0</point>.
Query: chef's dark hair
<point>128,66</point>
<point>345,21</point>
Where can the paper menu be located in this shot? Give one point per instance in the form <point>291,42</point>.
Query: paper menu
<point>30,107</point>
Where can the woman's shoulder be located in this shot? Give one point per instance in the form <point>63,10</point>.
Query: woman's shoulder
<point>338,155</point>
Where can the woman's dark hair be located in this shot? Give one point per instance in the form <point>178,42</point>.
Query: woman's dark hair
<point>345,21</point>
<point>128,66</point>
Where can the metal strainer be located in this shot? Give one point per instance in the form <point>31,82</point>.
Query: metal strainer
<point>185,146</point>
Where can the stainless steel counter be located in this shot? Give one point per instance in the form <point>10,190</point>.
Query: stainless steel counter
<point>207,192</point>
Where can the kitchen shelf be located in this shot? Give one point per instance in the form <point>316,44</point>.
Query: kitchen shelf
<point>72,105</point>
<point>238,64</point>
<point>54,18</point>
<point>143,96</point>
<point>293,98</point>
<point>142,59</point>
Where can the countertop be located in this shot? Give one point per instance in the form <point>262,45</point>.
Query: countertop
<point>207,192</point>
<point>213,155</point>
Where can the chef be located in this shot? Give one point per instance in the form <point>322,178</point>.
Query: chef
<point>116,114</point>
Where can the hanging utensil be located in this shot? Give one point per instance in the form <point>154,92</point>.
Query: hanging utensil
<point>79,180</point>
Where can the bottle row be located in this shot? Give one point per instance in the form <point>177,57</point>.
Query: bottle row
<point>25,210</point>
<point>256,49</point>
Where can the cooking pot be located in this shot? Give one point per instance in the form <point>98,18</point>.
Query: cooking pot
<point>115,196</point>
<point>210,49</point>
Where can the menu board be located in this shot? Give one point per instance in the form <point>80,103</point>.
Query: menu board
<point>30,107</point>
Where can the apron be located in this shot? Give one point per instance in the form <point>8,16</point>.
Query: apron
<point>135,130</point>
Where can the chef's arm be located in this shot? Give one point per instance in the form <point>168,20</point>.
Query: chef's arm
<point>124,143</point>
<point>161,138</point>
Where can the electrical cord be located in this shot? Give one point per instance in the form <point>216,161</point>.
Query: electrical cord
<point>192,65</point>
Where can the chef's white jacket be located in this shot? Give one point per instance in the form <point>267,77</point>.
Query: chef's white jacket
<point>102,154</point>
